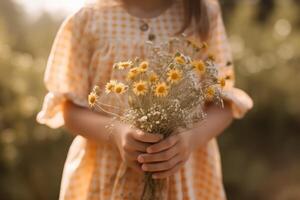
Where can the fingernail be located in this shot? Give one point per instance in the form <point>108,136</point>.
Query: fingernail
<point>149,150</point>
<point>140,159</point>
<point>144,167</point>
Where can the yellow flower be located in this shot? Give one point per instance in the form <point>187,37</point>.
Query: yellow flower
<point>92,99</point>
<point>199,65</point>
<point>96,90</point>
<point>211,57</point>
<point>140,88</point>
<point>131,76</point>
<point>120,88</point>
<point>204,45</point>
<point>222,82</point>
<point>134,70</point>
<point>174,75</point>
<point>229,77</point>
<point>153,78</point>
<point>210,93</point>
<point>124,65</point>
<point>161,90</point>
<point>180,60</point>
<point>143,66</point>
<point>110,86</point>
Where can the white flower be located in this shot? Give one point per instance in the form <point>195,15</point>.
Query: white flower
<point>143,119</point>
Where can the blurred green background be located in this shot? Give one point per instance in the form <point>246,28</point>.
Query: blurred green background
<point>260,154</point>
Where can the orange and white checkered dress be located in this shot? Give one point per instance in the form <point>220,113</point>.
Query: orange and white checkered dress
<point>85,48</point>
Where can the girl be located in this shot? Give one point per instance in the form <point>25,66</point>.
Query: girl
<point>111,166</point>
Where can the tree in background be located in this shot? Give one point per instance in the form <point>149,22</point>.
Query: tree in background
<point>28,152</point>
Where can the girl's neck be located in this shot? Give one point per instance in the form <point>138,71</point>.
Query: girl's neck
<point>147,8</point>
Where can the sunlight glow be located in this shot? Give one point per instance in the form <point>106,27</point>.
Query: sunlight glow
<point>53,6</point>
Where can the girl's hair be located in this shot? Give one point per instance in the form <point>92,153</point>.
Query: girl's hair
<point>196,13</point>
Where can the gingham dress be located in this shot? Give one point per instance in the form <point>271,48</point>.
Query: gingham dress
<point>85,48</point>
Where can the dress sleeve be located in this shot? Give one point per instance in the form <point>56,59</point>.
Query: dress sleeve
<point>66,75</point>
<point>219,47</point>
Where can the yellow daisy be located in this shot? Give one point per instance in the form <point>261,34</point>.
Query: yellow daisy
<point>199,66</point>
<point>180,60</point>
<point>211,57</point>
<point>110,86</point>
<point>134,70</point>
<point>153,78</point>
<point>143,66</point>
<point>92,99</point>
<point>174,75</point>
<point>120,88</point>
<point>193,44</point>
<point>124,65</point>
<point>131,76</point>
<point>210,93</point>
<point>229,77</point>
<point>140,88</point>
<point>161,90</point>
<point>222,82</point>
<point>204,45</point>
<point>96,90</point>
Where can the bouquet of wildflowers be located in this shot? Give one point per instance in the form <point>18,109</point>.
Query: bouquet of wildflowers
<point>165,91</point>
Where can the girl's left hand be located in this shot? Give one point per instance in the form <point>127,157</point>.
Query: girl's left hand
<point>165,158</point>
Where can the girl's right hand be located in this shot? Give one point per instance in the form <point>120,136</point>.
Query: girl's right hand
<point>132,142</point>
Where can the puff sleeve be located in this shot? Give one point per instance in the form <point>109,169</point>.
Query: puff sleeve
<point>66,75</point>
<point>219,47</point>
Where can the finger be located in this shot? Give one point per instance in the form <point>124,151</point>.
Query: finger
<point>167,173</point>
<point>164,144</point>
<point>135,166</point>
<point>133,145</point>
<point>162,166</point>
<point>146,137</point>
<point>161,156</point>
<point>131,156</point>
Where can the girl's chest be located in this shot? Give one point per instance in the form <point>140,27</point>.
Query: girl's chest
<point>116,25</point>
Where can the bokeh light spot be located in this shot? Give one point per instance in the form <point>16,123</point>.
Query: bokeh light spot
<point>283,27</point>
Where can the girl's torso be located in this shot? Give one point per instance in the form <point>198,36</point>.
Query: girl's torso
<point>96,171</point>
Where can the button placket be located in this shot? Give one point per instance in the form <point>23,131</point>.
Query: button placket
<point>145,27</point>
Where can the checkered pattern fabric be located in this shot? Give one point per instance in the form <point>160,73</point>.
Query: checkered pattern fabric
<point>85,48</point>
